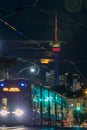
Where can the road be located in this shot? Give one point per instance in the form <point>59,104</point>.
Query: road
<point>36,128</point>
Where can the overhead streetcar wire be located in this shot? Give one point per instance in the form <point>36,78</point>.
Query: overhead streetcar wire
<point>20,33</point>
<point>74,65</point>
<point>16,30</point>
<point>19,10</point>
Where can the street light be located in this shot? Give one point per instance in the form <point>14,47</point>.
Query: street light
<point>33,69</point>
<point>35,73</point>
<point>85,92</point>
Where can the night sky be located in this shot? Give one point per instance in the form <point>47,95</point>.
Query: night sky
<point>27,27</point>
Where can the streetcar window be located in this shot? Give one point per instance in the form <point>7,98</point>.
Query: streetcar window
<point>4,101</point>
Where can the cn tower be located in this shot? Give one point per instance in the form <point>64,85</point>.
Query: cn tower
<point>56,49</point>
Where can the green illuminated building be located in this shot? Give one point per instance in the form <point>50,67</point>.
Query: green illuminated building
<point>48,106</point>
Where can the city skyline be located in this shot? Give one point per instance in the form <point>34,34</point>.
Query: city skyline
<point>27,29</point>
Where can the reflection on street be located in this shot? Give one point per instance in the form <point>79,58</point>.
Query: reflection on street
<point>36,128</point>
<point>24,128</point>
<point>13,128</point>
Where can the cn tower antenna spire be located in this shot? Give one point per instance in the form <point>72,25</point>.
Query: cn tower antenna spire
<point>56,29</point>
<point>56,45</point>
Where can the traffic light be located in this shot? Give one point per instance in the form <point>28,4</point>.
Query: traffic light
<point>77,106</point>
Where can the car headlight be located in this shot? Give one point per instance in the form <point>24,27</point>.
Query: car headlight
<point>3,112</point>
<point>19,112</point>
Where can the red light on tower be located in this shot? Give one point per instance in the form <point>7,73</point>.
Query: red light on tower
<point>56,49</point>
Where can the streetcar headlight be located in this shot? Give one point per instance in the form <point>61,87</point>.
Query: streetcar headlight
<point>3,112</point>
<point>19,112</point>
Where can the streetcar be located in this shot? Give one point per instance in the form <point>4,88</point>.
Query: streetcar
<point>24,103</point>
